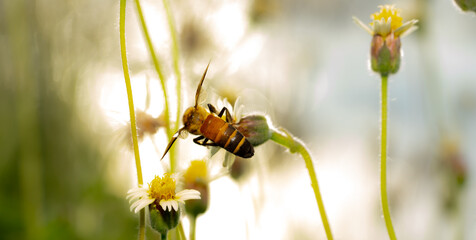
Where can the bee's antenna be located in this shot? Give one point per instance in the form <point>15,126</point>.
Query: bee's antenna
<point>199,88</point>
<point>172,142</point>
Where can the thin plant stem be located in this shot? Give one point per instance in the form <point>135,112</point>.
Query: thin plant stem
<point>294,145</point>
<point>158,69</point>
<point>175,57</point>
<point>181,232</point>
<point>125,67</point>
<point>383,159</point>
<point>193,225</point>
<point>20,27</point>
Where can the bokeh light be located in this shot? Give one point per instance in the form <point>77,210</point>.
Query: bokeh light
<point>66,161</point>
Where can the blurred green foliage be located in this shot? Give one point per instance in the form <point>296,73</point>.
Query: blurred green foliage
<point>52,169</point>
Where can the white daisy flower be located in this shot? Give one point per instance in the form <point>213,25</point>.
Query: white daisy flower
<point>160,191</point>
<point>388,21</point>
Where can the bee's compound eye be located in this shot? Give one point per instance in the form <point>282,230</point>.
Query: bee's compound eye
<point>187,116</point>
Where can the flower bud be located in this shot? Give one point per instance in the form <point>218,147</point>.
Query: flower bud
<point>454,161</point>
<point>161,220</point>
<point>195,207</point>
<point>196,177</point>
<point>255,128</point>
<point>385,54</point>
<point>466,5</point>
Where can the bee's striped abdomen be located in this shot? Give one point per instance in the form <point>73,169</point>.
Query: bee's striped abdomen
<point>226,136</point>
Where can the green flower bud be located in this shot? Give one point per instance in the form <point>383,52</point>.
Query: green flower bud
<point>386,29</point>
<point>255,128</point>
<point>385,54</point>
<point>466,5</point>
<point>161,220</point>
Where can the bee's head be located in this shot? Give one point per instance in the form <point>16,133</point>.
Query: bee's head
<point>193,119</point>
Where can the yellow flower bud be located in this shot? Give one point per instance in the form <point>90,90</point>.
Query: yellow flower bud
<point>196,177</point>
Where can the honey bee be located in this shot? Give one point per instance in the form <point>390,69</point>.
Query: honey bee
<point>213,130</point>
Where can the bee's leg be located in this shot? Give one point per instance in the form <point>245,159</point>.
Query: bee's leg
<point>197,140</point>
<point>229,118</point>
<point>204,142</point>
<point>212,109</point>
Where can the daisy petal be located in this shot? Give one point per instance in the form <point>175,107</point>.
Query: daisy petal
<point>137,195</point>
<point>363,25</point>
<point>188,194</point>
<point>406,28</point>
<point>166,204</point>
<point>141,204</point>
<point>136,203</point>
<point>227,104</point>
<point>174,205</point>
<point>382,27</point>
<point>136,190</point>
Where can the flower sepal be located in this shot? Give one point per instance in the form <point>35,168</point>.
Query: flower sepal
<point>163,220</point>
<point>385,54</point>
<point>255,128</point>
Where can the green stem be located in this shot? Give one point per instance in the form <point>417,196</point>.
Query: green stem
<point>156,63</point>
<point>181,233</point>
<point>383,159</point>
<point>21,37</point>
<point>193,225</point>
<point>175,56</point>
<point>295,145</point>
<point>163,236</point>
<point>125,67</point>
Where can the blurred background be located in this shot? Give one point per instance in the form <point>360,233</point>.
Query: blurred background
<point>66,164</point>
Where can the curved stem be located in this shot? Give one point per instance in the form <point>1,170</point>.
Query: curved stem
<point>125,67</point>
<point>295,145</point>
<point>156,63</point>
<point>175,57</point>
<point>383,159</point>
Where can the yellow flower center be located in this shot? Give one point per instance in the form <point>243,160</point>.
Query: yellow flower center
<point>197,170</point>
<point>387,12</point>
<point>162,188</point>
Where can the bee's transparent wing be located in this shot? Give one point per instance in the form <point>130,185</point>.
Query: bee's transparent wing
<point>252,101</point>
<point>203,97</point>
<point>229,160</point>
<point>215,164</point>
